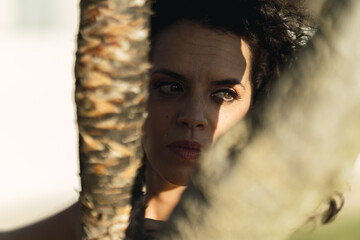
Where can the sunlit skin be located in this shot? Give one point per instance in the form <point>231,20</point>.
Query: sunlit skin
<point>199,87</point>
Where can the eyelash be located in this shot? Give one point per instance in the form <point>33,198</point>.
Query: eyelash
<point>159,86</point>
<point>230,91</point>
<point>179,88</point>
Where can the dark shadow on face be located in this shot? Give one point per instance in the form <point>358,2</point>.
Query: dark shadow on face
<point>199,87</point>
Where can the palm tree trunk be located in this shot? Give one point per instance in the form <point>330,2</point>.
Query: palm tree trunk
<point>265,178</point>
<point>111,72</point>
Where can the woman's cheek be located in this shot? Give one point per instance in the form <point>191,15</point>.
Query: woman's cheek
<point>229,116</point>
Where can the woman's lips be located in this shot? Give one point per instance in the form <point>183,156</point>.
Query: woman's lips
<point>187,150</point>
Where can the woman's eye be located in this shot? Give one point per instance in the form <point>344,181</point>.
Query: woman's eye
<point>226,95</point>
<point>169,87</point>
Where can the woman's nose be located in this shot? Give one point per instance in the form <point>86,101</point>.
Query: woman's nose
<point>193,115</point>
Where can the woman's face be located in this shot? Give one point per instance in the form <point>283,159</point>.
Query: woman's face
<point>199,87</point>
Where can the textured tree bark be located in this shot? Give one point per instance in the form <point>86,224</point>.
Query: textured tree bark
<point>267,175</point>
<point>111,72</point>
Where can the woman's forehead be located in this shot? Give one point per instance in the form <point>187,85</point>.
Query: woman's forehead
<point>193,49</point>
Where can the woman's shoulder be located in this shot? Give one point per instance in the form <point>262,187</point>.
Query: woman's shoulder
<point>63,225</point>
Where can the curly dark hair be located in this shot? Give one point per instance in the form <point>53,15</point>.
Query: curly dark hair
<point>274,30</point>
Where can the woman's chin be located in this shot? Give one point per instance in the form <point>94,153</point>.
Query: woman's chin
<point>180,177</point>
<point>173,168</point>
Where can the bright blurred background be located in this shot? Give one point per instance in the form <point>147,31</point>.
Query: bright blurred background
<point>38,139</point>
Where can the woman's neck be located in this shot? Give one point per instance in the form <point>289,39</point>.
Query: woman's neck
<point>161,196</point>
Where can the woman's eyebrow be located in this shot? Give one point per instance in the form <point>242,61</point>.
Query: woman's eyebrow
<point>178,76</point>
<point>229,81</point>
<point>168,72</point>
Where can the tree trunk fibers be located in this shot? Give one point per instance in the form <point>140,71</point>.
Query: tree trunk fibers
<point>111,72</point>
<point>266,176</point>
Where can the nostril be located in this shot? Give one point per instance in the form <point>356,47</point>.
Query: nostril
<point>200,125</point>
<point>192,121</point>
<point>185,123</point>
